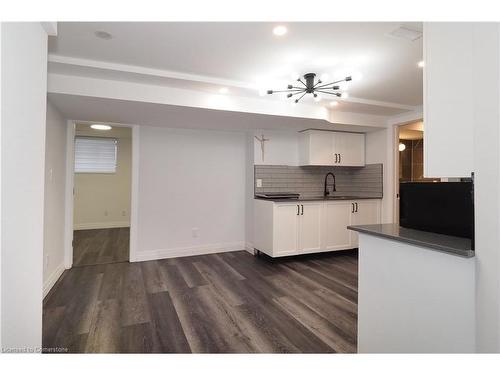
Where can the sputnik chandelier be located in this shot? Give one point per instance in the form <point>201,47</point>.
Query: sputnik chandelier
<point>312,87</point>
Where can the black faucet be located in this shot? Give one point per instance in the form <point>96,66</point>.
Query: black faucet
<point>326,193</point>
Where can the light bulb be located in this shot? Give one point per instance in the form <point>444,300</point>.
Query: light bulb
<point>402,147</point>
<point>344,95</point>
<point>334,103</point>
<point>317,98</point>
<point>357,76</point>
<point>280,30</point>
<point>100,127</point>
<point>421,64</point>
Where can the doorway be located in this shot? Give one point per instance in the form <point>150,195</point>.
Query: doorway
<point>410,157</point>
<point>101,194</point>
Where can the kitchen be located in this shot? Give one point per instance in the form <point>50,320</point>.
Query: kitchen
<point>263,224</point>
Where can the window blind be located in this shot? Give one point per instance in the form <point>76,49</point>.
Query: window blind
<point>95,155</point>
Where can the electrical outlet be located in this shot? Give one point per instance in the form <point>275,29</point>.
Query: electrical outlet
<point>259,182</point>
<point>194,232</point>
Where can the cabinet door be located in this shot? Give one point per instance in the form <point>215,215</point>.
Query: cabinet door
<point>351,148</point>
<point>337,217</point>
<point>286,229</point>
<point>310,227</point>
<point>368,212</point>
<point>321,148</point>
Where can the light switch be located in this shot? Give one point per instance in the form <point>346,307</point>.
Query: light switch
<point>259,182</point>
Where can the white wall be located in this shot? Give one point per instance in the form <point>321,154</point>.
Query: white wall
<point>379,149</point>
<point>102,200</point>
<point>24,89</point>
<point>54,206</point>
<point>486,152</point>
<point>413,300</point>
<point>280,149</point>
<point>190,179</point>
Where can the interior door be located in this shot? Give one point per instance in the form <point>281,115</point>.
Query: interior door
<point>310,227</point>
<point>286,229</point>
<point>337,217</point>
<point>366,212</point>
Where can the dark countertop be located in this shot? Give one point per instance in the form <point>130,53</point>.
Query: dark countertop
<point>311,199</point>
<point>433,241</point>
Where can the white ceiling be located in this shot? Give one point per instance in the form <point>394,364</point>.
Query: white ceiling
<point>248,56</point>
<point>90,109</point>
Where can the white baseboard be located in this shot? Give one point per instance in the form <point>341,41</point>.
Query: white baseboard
<point>142,256</point>
<point>110,224</point>
<point>249,247</point>
<point>51,280</point>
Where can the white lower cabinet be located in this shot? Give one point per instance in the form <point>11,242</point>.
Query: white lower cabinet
<point>286,229</point>
<point>283,229</point>
<point>365,212</point>
<point>336,218</point>
<point>310,227</point>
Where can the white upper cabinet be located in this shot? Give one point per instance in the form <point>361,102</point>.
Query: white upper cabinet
<point>331,148</point>
<point>350,148</point>
<point>448,111</point>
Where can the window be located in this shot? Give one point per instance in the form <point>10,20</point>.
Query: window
<point>95,155</point>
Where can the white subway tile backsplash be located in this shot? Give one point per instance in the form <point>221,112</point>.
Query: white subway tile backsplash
<point>309,181</point>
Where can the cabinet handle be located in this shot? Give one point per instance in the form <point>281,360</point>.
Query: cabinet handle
<point>352,209</point>
<point>298,208</point>
<point>335,158</point>
<point>356,206</point>
<point>302,209</point>
<point>340,158</point>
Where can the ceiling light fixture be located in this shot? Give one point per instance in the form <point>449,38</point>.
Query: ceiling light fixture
<point>223,90</point>
<point>421,64</point>
<point>280,30</point>
<point>402,147</point>
<point>313,87</point>
<point>100,127</point>
<point>103,35</point>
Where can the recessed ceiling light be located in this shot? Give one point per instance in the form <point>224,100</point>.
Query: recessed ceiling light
<point>223,90</point>
<point>280,30</point>
<point>100,127</point>
<point>103,35</point>
<point>421,64</point>
<point>334,103</point>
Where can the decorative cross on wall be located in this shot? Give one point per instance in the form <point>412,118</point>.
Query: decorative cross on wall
<point>262,141</point>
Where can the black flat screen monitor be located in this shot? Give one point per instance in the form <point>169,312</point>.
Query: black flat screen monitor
<point>439,207</point>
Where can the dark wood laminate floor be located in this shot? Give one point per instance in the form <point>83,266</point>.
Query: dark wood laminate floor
<point>219,303</point>
<point>100,246</point>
